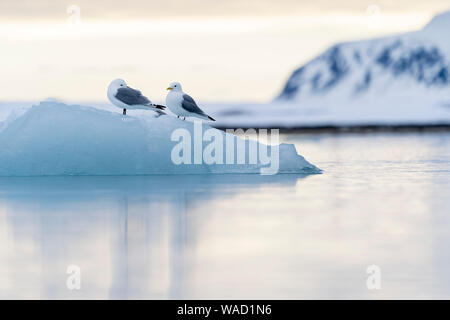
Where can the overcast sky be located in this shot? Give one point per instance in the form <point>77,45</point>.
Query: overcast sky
<point>131,9</point>
<point>220,50</point>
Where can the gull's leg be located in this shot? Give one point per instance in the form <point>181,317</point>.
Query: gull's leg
<point>124,111</point>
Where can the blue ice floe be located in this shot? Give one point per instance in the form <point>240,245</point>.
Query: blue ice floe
<point>53,138</point>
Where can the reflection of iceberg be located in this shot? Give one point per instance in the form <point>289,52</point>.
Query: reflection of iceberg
<point>56,139</point>
<point>61,191</point>
<point>131,236</point>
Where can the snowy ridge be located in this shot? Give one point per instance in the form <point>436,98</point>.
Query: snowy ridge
<point>357,69</point>
<point>439,23</point>
<point>347,70</point>
<point>53,138</point>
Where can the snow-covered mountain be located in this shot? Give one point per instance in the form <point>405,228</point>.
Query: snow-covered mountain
<point>397,70</point>
<point>397,80</point>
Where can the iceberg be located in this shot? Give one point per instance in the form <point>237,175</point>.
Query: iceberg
<point>56,139</point>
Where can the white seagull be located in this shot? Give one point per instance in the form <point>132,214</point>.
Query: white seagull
<point>124,97</point>
<point>182,104</point>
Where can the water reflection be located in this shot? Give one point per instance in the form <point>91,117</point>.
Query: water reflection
<point>382,200</point>
<point>133,237</point>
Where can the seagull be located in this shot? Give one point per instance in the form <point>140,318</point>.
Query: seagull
<point>182,104</point>
<point>124,97</point>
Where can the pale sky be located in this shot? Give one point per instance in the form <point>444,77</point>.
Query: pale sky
<point>220,50</point>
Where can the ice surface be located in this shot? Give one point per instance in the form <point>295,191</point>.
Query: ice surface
<point>53,138</point>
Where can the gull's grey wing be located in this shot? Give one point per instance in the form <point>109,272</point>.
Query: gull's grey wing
<point>189,104</point>
<point>131,96</point>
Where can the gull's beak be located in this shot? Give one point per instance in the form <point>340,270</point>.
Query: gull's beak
<point>169,88</point>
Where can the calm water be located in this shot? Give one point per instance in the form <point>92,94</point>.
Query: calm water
<point>383,200</point>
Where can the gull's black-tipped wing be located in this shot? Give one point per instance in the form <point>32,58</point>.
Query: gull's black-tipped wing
<point>131,97</point>
<point>189,104</point>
